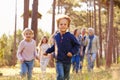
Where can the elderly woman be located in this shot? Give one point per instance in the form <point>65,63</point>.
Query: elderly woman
<point>92,47</point>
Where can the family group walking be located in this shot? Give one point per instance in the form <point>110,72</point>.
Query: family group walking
<point>67,49</point>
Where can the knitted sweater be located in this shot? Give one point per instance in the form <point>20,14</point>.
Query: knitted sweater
<point>27,50</point>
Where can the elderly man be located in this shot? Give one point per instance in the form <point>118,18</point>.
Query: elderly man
<point>92,48</point>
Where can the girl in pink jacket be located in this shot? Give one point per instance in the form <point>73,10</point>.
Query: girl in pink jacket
<point>27,53</point>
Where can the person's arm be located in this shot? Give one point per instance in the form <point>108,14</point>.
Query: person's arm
<point>49,50</point>
<point>86,41</point>
<point>86,44</point>
<point>76,46</point>
<point>82,43</point>
<point>81,50</point>
<point>36,54</point>
<point>19,51</point>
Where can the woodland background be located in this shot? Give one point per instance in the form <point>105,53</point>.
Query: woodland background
<point>102,15</point>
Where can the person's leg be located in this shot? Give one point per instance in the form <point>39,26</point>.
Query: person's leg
<point>42,67</point>
<point>46,63</point>
<point>82,59</point>
<point>80,62</point>
<point>60,71</point>
<point>73,63</point>
<point>83,56</point>
<point>93,60</point>
<point>42,63</point>
<point>89,61</point>
<point>77,63</point>
<point>23,69</point>
<point>30,68</point>
<point>67,71</point>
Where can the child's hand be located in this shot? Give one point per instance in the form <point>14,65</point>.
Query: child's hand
<point>69,54</point>
<point>81,53</point>
<point>21,61</point>
<point>45,54</point>
<point>38,59</point>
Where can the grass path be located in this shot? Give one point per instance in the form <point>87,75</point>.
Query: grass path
<point>98,74</point>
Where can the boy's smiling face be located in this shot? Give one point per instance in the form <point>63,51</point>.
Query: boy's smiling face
<point>63,25</point>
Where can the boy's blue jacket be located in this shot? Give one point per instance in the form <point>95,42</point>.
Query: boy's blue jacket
<point>65,43</point>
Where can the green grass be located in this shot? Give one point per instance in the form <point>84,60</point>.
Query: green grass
<point>73,76</point>
<point>98,74</point>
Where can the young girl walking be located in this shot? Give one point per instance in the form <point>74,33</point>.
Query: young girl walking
<point>44,60</point>
<point>27,53</point>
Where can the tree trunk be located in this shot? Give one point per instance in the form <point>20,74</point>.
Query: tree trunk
<point>95,26</point>
<point>100,31</point>
<point>58,7</point>
<point>110,36</point>
<point>87,19</point>
<point>117,46</point>
<point>14,61</point>
<point>114,52</point>
<point>106,30</point>
<point>26,14</point>
<point>117,52</point>
<point>92,18</point>
<point>51,62</point>
<point>90,14</point>
<point>34,22</point>
<point>53,17</point>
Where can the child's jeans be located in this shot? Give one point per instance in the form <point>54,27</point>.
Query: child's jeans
<point>91,59</point>
<point>75,62</point>
<point>63,71</point>
<point>26,68</point>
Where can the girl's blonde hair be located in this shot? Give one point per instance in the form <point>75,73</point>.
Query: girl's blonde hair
<point>63,17</point>
<point>27,29</point>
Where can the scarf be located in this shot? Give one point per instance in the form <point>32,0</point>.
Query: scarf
<point>90,43</point>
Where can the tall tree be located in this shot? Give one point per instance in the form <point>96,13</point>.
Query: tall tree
<point>26,14</point>
<point>114,46</point>
<point>53,17</point>
<point>90,13</point>
<point>110,36</point>
<point>107,25</point>
<point>14,50</point>
<point>34,22</point>
<point>86,1</point>
<point>117,47</point>
<point>100,29</point>
<point>95,26</point>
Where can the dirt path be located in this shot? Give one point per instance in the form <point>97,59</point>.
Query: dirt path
<point>116,75</point>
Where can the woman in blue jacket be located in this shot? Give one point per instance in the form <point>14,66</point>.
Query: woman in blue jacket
<point>76,57</point>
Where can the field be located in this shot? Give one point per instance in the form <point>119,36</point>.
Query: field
<point>98,74</point>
